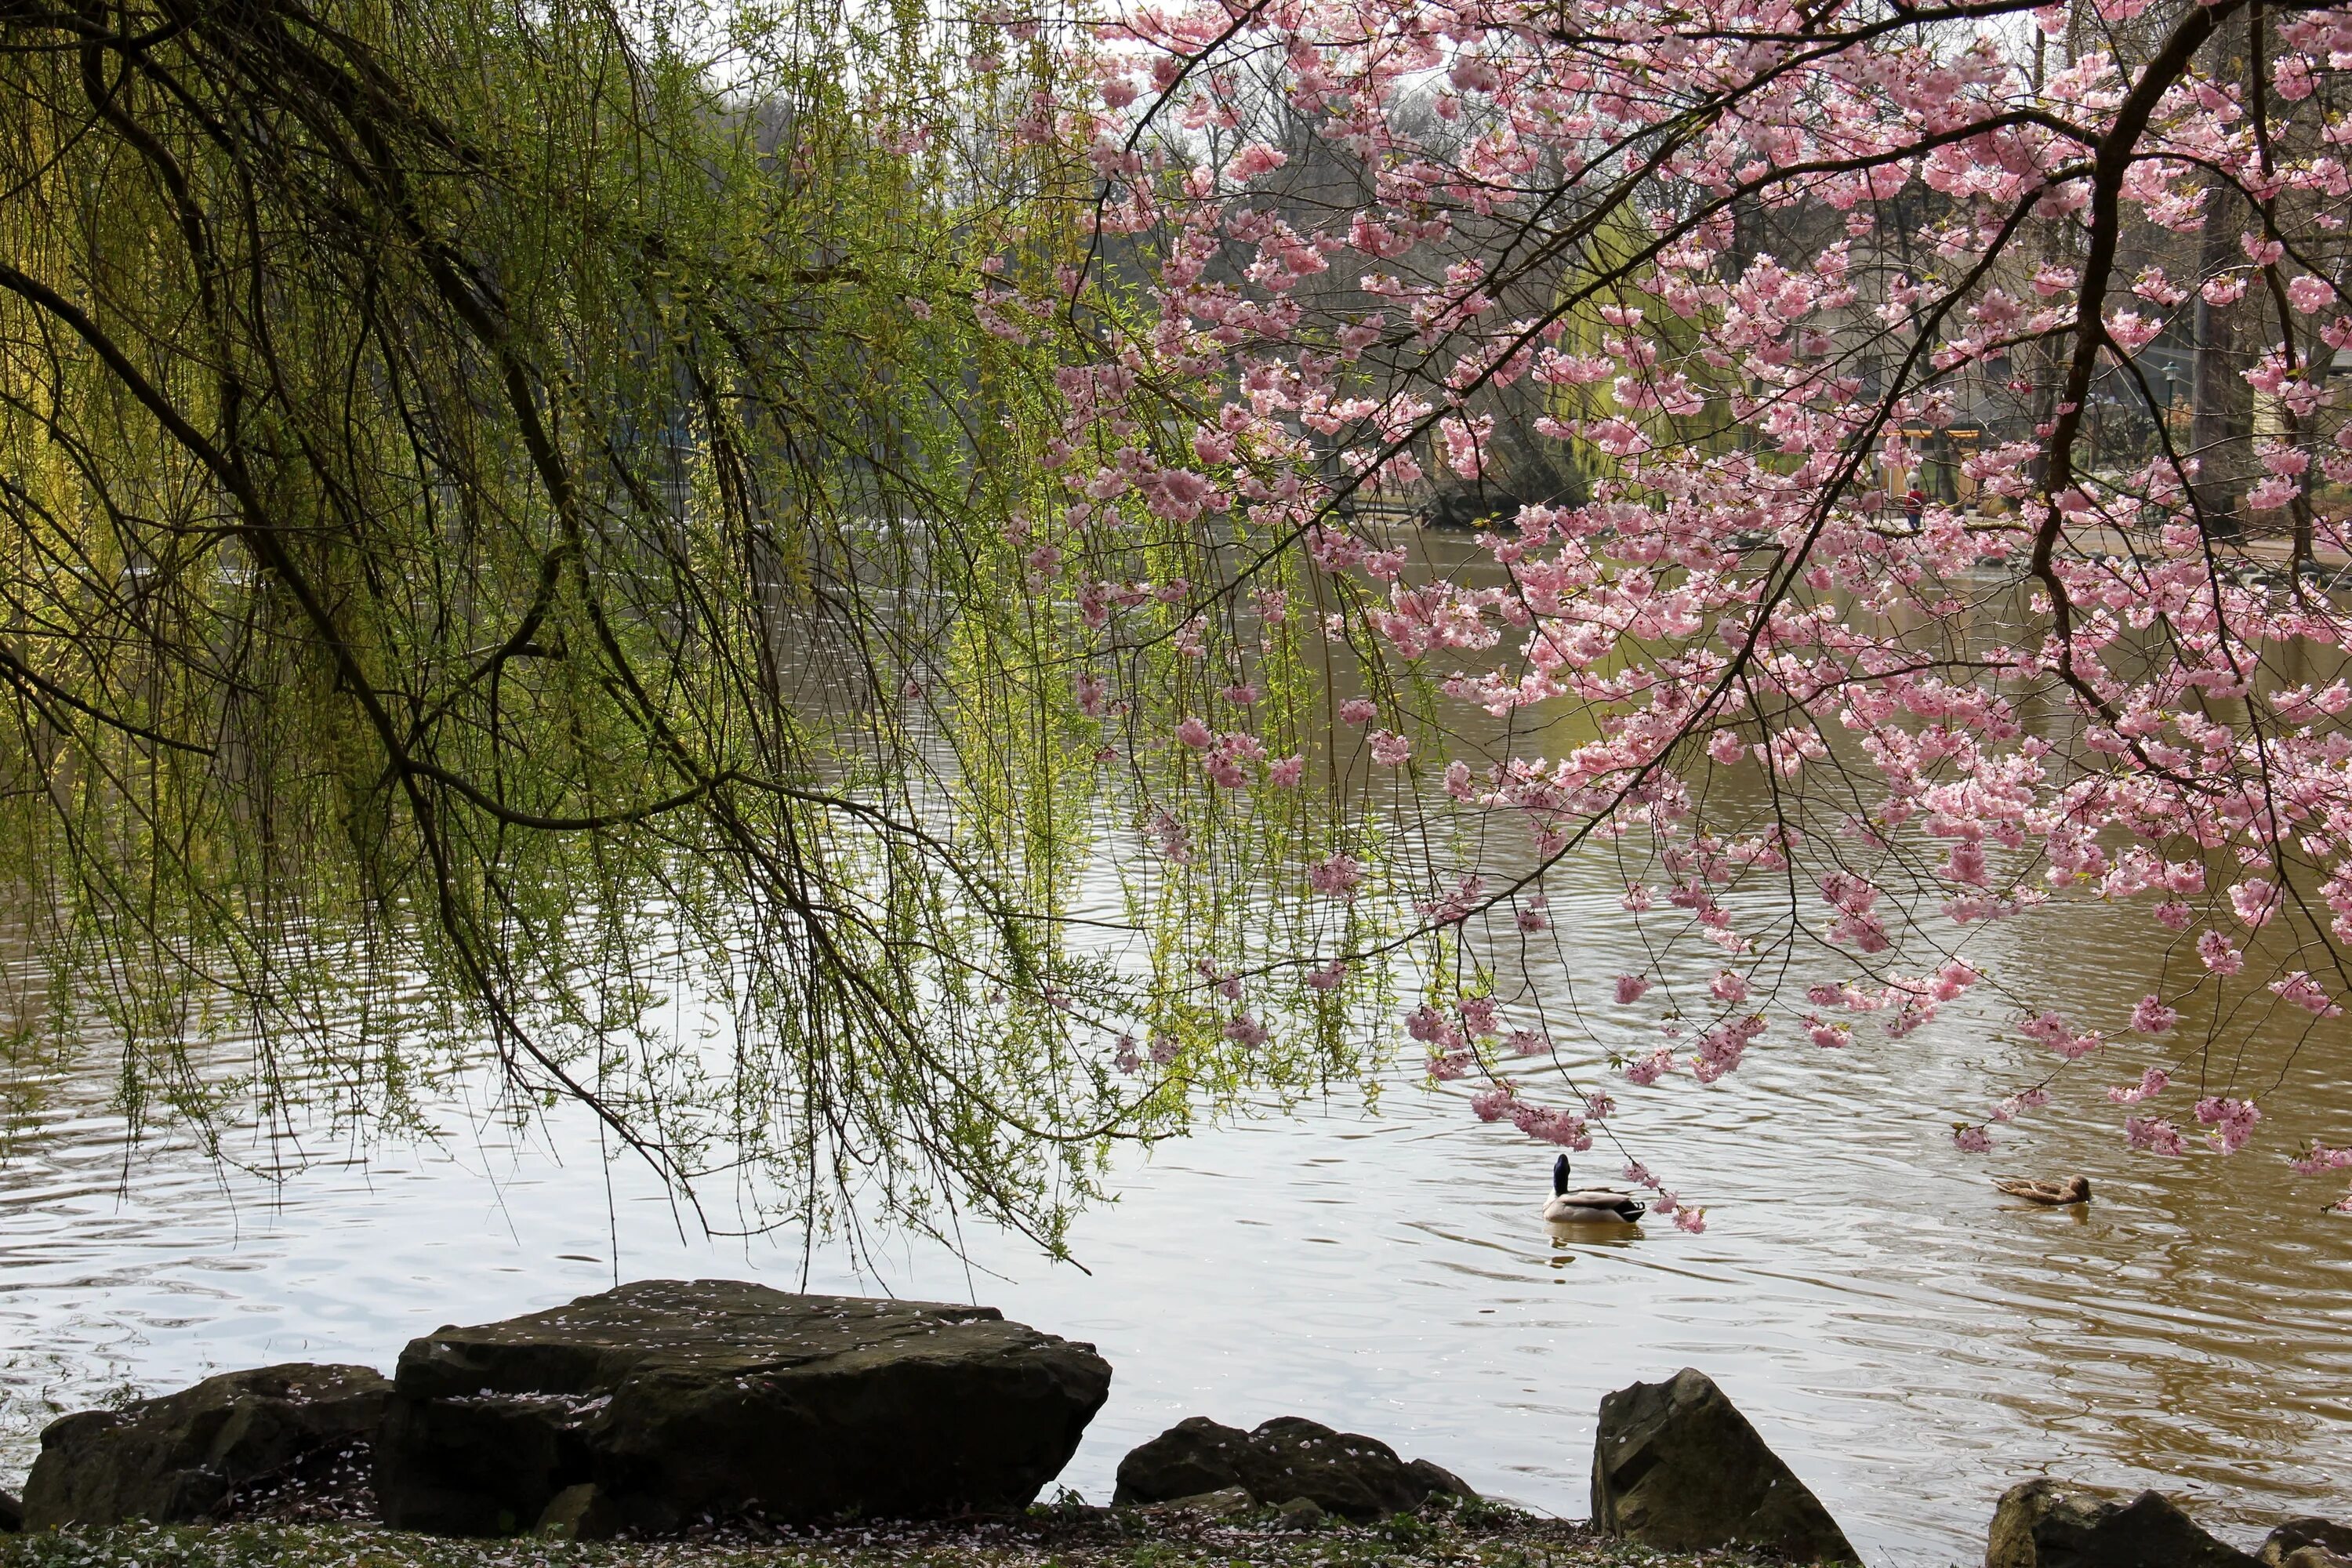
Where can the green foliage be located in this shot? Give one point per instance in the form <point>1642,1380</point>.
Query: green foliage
<point>502,529</point>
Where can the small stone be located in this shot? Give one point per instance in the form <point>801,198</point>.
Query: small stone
<point>1222,1504</point>
<point>1299,1514</point>
<point>1441,1482</point>
<point>2297,1533</point>
<point>1676,1465</point>
<point>577,1513</point>
<point>2046,1523</point>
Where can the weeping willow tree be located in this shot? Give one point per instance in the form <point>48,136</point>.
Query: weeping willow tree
<point>497,528</point>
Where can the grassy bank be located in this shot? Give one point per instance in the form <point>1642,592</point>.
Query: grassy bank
<point>1472,1537</point>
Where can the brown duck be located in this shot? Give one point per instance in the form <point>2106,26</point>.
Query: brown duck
<point>2073,1190</point>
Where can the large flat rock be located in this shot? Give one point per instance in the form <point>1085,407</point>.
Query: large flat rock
<point>678,1400</point>
<point>1676,1465</point>
<point>189,1456</point>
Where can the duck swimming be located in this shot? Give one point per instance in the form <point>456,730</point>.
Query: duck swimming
<point>1588,1204</point>
<point>2057,1194</point>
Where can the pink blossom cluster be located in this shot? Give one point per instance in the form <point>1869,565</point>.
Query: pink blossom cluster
<point>2069,692</point>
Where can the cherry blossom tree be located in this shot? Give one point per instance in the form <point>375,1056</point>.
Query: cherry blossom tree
<point>1748,267</point>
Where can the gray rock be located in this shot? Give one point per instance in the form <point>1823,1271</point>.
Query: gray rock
<point>1440,1479</point>
<point>1339,1472</point>
<point>188,1456</point>
<point>2314,1557</point>
<point>2298,1533</point>
<point>11,1513</point>
<point>1676,1465</point>
<point>1192,1458</point>
<point>2045,1523</point>
<point>1285,1458</point>
<point>680,1400</point>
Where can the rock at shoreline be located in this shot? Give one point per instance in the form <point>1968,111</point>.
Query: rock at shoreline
<point>1285,1458</point>
<point>680,1400</point>
<point>2314,1557</point>
<point>1677,1466</point>
<point>2043,1523</point>
<point>189,1456</point>
<point>12,1514</point>
<point>1195,1457</point>
<point>2296,1534</point>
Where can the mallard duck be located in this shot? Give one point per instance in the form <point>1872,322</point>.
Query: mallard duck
<point>1588,1203</point>
<point>2073,1190</point>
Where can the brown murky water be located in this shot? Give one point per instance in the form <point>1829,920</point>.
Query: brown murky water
<point>1910,1341</point>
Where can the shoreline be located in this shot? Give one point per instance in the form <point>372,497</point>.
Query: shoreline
<point>1476,1535</point>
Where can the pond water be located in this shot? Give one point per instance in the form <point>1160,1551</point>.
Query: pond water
<point>1911,1341</point>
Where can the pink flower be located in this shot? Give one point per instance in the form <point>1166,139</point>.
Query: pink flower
<point>1245,1029</point>
<point>1172,838</point>
<point>1630,988</point>
<point>1526,1043</point>
<point>1490,1104</point>
<point>2255,900</point>
<point>1563,1127</point>
<point>2156,1135</point>
<point>1599,1107</point>
<point>2317,1158</point>
<point>1195,734</point>
<point>2151,1016</point>
<point>1239,695</point>
<point>1285,775</point>
<point>1328,977</point>
<point>1531,918</point>
<point>1971,1139</point>
<point>1728,986</point>
<point>2152,1082</point>
<point>2232,1122</point>
<point>1093,695</point>
<point>1335,876</point>
<point>2300,989</point>
<point>1690,1219</point>
<point>2217,953</point>
<point>1389,749</point>
<point>1357,711</point>
<point>1650,1068</point>
<point>1725,747</point>
<point>1256,160</point>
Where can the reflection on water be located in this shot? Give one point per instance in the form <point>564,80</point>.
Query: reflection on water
<point>1912,1340</point>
